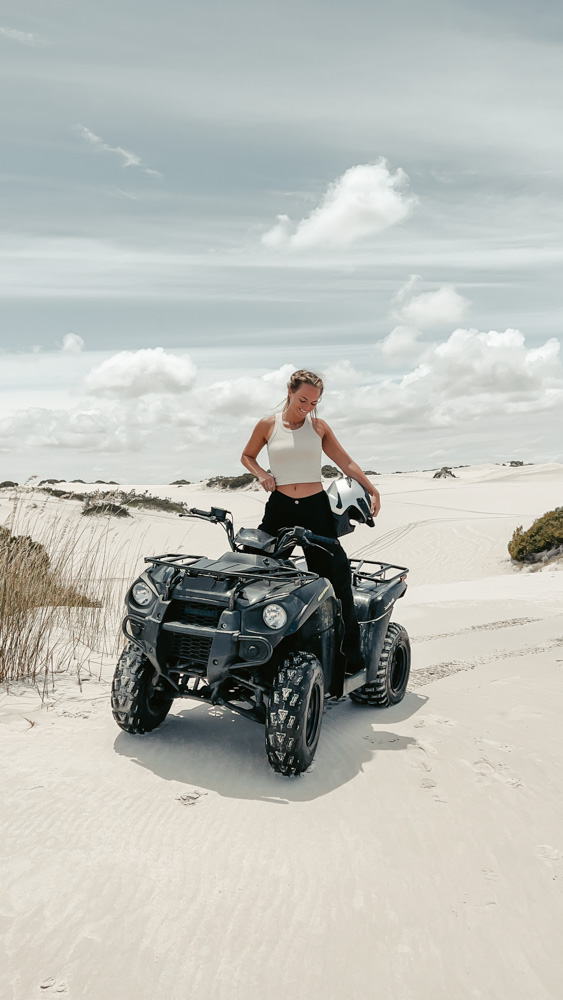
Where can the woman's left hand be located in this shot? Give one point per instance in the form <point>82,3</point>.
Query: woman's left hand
<point>375,503</point>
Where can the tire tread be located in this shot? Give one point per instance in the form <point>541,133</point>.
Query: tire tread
<point>128,694</point>
<point>377,691</point>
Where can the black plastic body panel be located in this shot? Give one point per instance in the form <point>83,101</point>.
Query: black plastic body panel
<point>207,621</point>
<point>374,605</point>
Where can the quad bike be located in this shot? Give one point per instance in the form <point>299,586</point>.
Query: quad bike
<point>256,631</point>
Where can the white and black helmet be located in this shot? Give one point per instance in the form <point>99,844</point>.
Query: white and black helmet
<point>349,501</point>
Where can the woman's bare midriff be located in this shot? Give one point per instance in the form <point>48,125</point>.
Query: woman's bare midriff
<point>300,490</point>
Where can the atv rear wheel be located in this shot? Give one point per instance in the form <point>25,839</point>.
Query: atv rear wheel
<point>138,702</point>
<point>393,671</point>
<point>295,714</point>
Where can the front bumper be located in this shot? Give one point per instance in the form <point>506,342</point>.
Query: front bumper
<point>175,646</point>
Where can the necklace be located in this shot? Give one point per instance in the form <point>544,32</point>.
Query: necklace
<point>292,425</point>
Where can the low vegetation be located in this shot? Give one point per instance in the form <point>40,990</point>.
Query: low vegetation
<point>116,502</point>
<point>444,473</point>
<point>104,509</point>
<point>61,590</point>
<point>330,472</point>
<point>543,540</point>
<point>231,482</point>
<point>156,503</point>
<point>32,591</point>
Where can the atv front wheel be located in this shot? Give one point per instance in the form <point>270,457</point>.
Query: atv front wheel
<point>393,671</point>
<point>138,702</point>
<point>295,714</point>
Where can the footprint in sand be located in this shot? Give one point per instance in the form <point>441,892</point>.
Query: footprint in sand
<point>549,855</point>
<point>428,783</point>
<point>486,771</point>
<point>190,798</point>
<point>52,985</point>
<point>419,758</point>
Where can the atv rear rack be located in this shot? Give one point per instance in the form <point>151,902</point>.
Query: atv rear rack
<point>379,575</point>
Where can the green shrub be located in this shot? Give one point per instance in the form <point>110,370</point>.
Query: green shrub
<point>330,472</point>
<point>157,503</point>
<point>546,533</point>
<point>105,509</point>
<point>231,482</point>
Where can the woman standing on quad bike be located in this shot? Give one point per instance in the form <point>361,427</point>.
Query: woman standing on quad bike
<point>295,440</point>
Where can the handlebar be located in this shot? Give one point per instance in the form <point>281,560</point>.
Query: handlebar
<point>308,538</point>
<point>327,543</point>
<point>285,537</point>
<point>215,514</point>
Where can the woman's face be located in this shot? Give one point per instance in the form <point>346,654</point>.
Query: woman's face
<point>302,401</point>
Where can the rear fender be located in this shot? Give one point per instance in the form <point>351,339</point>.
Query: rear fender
<point>372,637</point>
<point>374,607</point>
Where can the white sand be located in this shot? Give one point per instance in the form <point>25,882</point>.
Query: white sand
<point>421,857</point>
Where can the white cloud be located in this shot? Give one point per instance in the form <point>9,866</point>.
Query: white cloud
<point>249,396</point>
<point>129,374</point>
<point>461,382</point>
<point>72,344</point>
<point>23,37</point>
<point>342,374</point>
<point>475,393</point>
<point>402,342</point>
<point>87,429</point>
<point>280,234</point>
<point>363,202</point>
<point>442,307</point>
<point>129,159</point>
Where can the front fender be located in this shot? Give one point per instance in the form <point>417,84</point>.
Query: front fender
<point>299,606</point>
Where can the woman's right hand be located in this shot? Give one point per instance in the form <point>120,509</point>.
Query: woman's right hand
<point>267,482</point>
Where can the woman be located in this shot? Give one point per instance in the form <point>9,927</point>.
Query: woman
<point>295,439</point>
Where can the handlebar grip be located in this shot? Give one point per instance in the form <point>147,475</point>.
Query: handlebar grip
<point>329,543</point>
<point>200,513</point>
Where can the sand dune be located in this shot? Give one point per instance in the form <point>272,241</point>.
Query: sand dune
<point>421,856</point>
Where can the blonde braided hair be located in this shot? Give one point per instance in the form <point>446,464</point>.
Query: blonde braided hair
<point>303,377</point>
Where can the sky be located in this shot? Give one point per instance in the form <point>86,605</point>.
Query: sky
<point>198,199</point>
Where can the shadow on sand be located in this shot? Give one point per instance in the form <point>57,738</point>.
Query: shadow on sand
<point>216,749</point>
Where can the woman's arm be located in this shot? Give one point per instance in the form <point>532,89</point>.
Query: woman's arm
<point>258,440</point>
<point>334,450</point>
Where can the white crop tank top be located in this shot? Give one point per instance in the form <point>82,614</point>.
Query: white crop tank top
<point>295,456</point>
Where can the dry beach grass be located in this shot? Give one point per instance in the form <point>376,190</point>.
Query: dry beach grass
<point>57,590</point>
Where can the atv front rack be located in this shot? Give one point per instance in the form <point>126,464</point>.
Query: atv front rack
<point>383,573</point>
<point>187,562</point>
<point>280,574</point>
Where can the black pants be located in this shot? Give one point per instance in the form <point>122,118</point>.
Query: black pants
<point>314,513</point>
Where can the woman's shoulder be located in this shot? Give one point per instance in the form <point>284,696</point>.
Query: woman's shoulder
<point>266,424</point>
<point>320,426</point>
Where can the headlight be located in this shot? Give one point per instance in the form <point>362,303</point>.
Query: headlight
<point>274,616</point>
<point>142,595</point>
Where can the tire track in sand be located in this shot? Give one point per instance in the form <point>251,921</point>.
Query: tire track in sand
<point>439,670</point>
